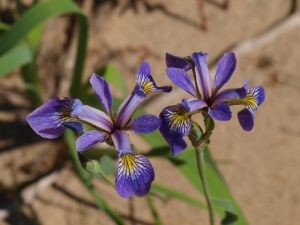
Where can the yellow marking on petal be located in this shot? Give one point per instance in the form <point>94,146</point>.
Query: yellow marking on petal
<point>179,118</point>
<point>250,101</point>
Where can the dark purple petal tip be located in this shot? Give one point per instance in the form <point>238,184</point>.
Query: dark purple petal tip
<point>177,62</point>
<point>134,175</point>
<point>48,120</point>
<point>246,119</point>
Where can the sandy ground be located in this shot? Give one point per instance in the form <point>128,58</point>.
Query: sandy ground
<point>262,167</point>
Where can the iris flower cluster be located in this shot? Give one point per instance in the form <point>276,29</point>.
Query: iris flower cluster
<point>206,97</point>
<point>134,171</point>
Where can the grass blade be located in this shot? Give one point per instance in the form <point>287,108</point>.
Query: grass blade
<point>16,57</point>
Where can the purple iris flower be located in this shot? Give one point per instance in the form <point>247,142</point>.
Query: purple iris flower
<point>134,172</point>
<point>176,119</point>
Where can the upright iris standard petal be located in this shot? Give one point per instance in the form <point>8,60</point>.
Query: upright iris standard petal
<point>101,87</point>
<point>202,74</point>
<point>94,117</point>
<point>246,119</point>
<point>220,112</point>
<point>144,124</point>
<point>181,79</point>
<point>145,81</point>
<point>176,123</point>
<point>134,175</point>
<point>226,67</point>
<point>177,62</point>
<point>49,119</point>
<point>89,139</point>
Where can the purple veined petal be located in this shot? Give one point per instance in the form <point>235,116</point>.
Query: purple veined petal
<point>258,93</point>
<point>226,67</point>
<point>202,74</point>
<point>181,79</point>
<point>246,119</point>
<point>145,124</point>
<point>93,116</point>
<point>127,108</point>
<point>134,175</point>
<point>193,104</point>
<point>177,119</point>
<point>89,139</point>
<point>175,124</point>
<point>100,86</point>
<point>48,120</point>
<point>121,141</point>
<point>177,62</point>
<point>230,94</point>
<point>145,82</point>
<point>220,112</point>
<point>175,140</point>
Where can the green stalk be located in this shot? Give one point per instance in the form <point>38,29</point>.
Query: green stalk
<point>201,171</point>
<point>200,141</point>
<point>155,215</point>
<point>86,180</point>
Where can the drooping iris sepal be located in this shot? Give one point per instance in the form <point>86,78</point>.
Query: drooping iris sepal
<point>134,175</point>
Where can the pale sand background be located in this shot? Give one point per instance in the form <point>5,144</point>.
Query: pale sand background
<point>261,167</point>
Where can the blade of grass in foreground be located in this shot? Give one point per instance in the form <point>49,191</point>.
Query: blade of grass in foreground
<point>16,57</point>
<point>40,13</point>
<point>86,179</point>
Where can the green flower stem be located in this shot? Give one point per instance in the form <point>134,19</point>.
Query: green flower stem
<point>86,179</point>
<point>155,215</point>
<point>201,171</point>
<point>200,141</point>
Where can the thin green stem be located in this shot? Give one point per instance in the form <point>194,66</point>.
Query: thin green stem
<point>201,172</point>
<point>86,179</point>
<point>155,215</point>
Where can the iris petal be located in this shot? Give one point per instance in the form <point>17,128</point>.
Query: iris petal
<point>178,119</point>
<point>134,175</point>
<point>145,124</point>
<point>101,87</point>
<point>181,79</point>
<point>193,104</point>
<point>246,119</point>
<point>220,112</point>
<point>90,138</point>
<point>202,74</point>
<point>121,141</point>
<point>176,123</point>
<point>226,67</point>
<point>50,119</point>
<point>145,81</point>
<point>127,108</point>
<point>230,94</point>
<point>94,117</point>
<point>177,62</point>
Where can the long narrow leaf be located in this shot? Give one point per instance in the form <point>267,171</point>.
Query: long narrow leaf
<point>177,195</point>
<point>33,17</point>
<point>16,57</point>
<point>223,201</point>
